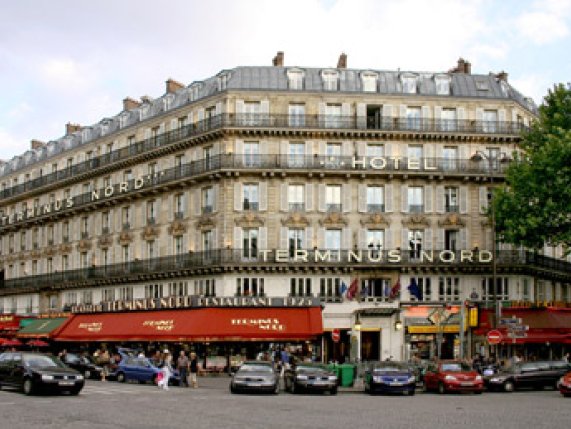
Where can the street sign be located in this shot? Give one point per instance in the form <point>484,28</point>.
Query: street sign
<point>336,335</point>
<point>494,337</point>
<point>510,321</point>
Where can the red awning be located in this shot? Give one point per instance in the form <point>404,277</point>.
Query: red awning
<point>557,320</point>
<point>536,336</point>
<point>9,322</point>
<point>206,324</point>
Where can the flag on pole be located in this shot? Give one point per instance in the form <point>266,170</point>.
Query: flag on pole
<point>395,290</point>
<point>414,289</point>
<point>352,291</point>
<point>342,288</point>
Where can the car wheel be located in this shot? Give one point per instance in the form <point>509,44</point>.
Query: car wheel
<point>409,392</point>
<point>441,388</point>
<point>477,392</point>
<point>87,374</point>
<point>509,386</point>
<point>333,391</point>
<point>232,388</point>
<point>28,386</point>
<point>121,377</point>
<point>74,392</point>
<point>367,388</point>
<point>294,388</point>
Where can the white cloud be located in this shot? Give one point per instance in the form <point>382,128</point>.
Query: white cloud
<point>65,74</point>
<point>542,27</point>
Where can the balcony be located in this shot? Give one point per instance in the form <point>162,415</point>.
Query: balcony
<point>451,208</point>
<point>65,239</point>
<point>416,208</point>
<point>151,221</point>
<point>50,242</point>
<point>126,226</point>
<point>251,205</point>
<point>207,209</point>
<point>84,235</point>
<point>179,215</point>
<point>310,122</point>
<point>375,208</point>
<point>105,230</point>
<point>296,207</point>
<point>333,208</point>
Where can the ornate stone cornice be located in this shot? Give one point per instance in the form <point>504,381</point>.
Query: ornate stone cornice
<point>150,233</point>
<point>375,220</point>
<point>249,220</point>
<point>452,220</point>
<point>125,238</point>
<point>51,251</point>
<point>334,220</point>
<point>105,241</point>
<point>415,221</point>
<point>205,223</point>
<point>84,245</point>
<point>295,220</point>
<point>177,228</point>
<point>65,248</point>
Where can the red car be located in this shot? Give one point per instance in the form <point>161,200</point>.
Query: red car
<point>452,376</point>
<point>565,385</point>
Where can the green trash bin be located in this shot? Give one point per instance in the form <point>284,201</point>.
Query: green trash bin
<point>334,368</point>
<point>347,373</point>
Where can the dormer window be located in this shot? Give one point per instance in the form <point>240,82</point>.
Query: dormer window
<point>482,85</point>
<point>369,81</point>
<point>223,81</point>
<point>442,83</point>
<point>408,82</point>
<point>330,80</point>
<point>505,88</point>
<point>194,90</point>
<point>123,117</point>
<point>295,79</point>
<point>167,101</point>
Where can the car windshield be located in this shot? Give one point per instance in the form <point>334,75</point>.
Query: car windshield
<point>308,368</point>
<point>390,367</point>
<point>255,368</point>
<point>42,361</point>
<point>455,367</point>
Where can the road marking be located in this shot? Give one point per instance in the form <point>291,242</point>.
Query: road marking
<point>7,403</point>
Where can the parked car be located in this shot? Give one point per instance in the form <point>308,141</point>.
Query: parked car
<point>452,376</point>
<point>390,377</point>
<point>536,375</point>
<point>37,373</point>
<point>255,376</point>
<point>565,385</point>
<point>83,364</point>
<point>310,377</point>
<point>141,369</point>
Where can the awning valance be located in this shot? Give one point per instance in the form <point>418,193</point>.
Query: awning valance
<point>41,328</point>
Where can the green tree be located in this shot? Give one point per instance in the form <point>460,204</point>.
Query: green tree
<point>534,206</point>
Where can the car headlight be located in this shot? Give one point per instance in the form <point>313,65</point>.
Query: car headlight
<point>478,378</point>
<point>79,377</point>
<point>301,377</point>
<point>46,377</point>
<point>412,379</point>
<point>377,379</point>
<point>332,378</point>
<point>450,378</point>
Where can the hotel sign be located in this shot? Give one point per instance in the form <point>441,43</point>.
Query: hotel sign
<point>178,302</point>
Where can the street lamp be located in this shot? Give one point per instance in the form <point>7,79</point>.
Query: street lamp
<point>478,157</point>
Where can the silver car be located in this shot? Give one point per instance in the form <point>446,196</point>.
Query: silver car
<point>255,376</point>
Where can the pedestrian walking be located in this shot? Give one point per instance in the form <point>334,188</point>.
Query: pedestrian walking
<point>193,370</point>
<point>104,361</point>
<point>183,365</point>
<point>166,370</point>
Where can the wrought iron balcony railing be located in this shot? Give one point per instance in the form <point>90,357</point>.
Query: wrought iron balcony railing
<point>184,265</point>
<point>393,124</point>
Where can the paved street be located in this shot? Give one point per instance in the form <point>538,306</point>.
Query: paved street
<point>111,404</point>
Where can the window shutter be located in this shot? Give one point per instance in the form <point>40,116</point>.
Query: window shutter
<point>322,109</point>
<point>215,194</point>
<point>428,199</point>
<point>320,238</point>
<point>263,236</point>
<point>284,203</point>
<point>361,148</point>
<point>346,113</point>
<point>347,149</point>
<point>479,114</point>
<point>197,202</point>
<point>428,152</point>
<point>426,118</point>
<point>238,202</point>
<point>147,133</point>
<point>362,244</point>
<point>215,244</point>
<point>237,237</point>
<point>283,238</point>
<point>439,239</point>
<point>308,150</point>
<point>402,113</point>
<point>362,198</point>
<point>404,198</point>
<point>361,116</point>
<point>404,239</point>
<point>321,198</point>
<point>483,199</point>
<point>388,198</point>
<point>389,150</point>
<point>309,237</point>
<point>502,120</point>
<point>263,196</point>
<point>219,108</point>
<point>322,148</point>
<point>440,199</point>
<point>437,113</point>
<point>346,197</point>
<point>463,239</point>
<point>200,114</point>
<point>427,239</point>
<point>464,200</point>
<point>174,124</point>
<point>309,197</point>
<point>265,111</point>
<point>170,205</point>
<point>387,117</point>
<point>389,243</point>
<point>284,146</point>
<point>239,107</point>
<point>346,239</point>
<point>239,153</point>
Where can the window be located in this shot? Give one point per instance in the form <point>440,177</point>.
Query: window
<point>87,297</point>
<point>65,232</point>
<point>64,262</point>
<point>126,218</point>
<point>450,155</point>
<point>207,244</point>
<point>251,154</point>
<point>126,293</point>
<point>151,212</point>
<point>50,235</point>
<point>154,291</point>
<point>451,199</point>
<point>490,123</point>
<point>502,288</point>
<point>35,266</point>
<point>83,260</point>
<point>249,243</point>
<point>250,193</point>
<point>108,294</point>
<point>127,176</point>
<point>207,154</point>
<point>151,249</point>
<point>296,155</point>
<point>53,302</point>
<point>375,199</point>
<point>333,116</point>
<point>70,299</point>
<point>442,85</point>
<point>252,110</point>
<point>333,149</point>
<point>333,198</point>
<point>50,265</point>
<point>448,289</point>
<point>296,197</point>
<point>179,165</point>
<point>408,83</point>
<point>296,240</point>
<point>415,199</point>
<point>330,288</point>
<point>296,115</point>
<point>330,80</point>
<point>375,150</point>
<point>84,225</point>
<point>205,287</point>
<point>178,246</point>
<point>153,170</point>
<point>250,286</point>
<point>23,241</point>
<point>448,120</point>
<point>295,79</point>
<point>414,151</point>
<point>375,239</point>
<point>179,206</point>
<point>178,289</point>
<point>415,242</point>
<point>424,288</point>
<point>413,118</point>
<point>300,287</point>
<point>451,239</point>
<point>369,81</point>
<point>105,222</point>
<point>333,239</point>
<point>126,253</point>
<point>207,200</point>
<point>29,304</point>
<point>375,289</point>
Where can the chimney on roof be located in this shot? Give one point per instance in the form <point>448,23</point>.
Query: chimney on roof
<point>463,66</point>
<point>130,104</point>
<point>278,60</point>
<point>342,62</point>
<point>37,144</point>
<point>173,86</point>
<point>145,99</point>
<point>502,76</point>
<point>71,128</point>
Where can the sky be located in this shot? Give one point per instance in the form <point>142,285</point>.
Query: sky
<point>75,60</point>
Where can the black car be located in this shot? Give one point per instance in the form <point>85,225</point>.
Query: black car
<point>390,377</point>
<point>535,375</point>
<point>83,364</point>
<point>255,376</point>
<point>38,372</point>
<point>307,376</point>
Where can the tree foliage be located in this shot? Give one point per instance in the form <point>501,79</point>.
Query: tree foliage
<point>534,206</point>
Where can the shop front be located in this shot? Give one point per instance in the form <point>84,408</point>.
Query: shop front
<point>9,325</point>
